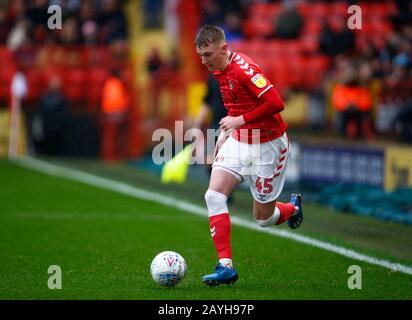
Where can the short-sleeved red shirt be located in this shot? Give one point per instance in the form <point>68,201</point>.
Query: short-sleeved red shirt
<point>242,83</point>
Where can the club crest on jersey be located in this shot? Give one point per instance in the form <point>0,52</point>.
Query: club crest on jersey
<point>258,81</point>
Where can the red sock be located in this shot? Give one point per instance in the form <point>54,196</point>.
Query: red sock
<point>286,210</point>
<point>220,229</point>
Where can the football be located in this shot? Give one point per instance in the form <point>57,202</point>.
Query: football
<point>168,268</point>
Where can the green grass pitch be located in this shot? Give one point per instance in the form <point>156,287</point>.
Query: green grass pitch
<point>104,243</point>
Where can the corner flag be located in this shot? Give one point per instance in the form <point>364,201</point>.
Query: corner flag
<point>175,170</point>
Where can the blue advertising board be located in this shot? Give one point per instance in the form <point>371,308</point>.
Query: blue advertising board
<point>342,165</point>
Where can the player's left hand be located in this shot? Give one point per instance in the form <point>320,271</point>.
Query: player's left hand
<point>229,123</point>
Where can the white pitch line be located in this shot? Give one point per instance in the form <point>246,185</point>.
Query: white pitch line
<point>120,187</point>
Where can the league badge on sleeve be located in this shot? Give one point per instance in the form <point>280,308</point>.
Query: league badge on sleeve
<point>259,81</point>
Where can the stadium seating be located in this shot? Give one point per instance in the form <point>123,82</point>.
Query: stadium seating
<point>6,75</point>
<point>36,83</point>
<point>302,54</point>
<point>75,84</point>
<point>82,71</point>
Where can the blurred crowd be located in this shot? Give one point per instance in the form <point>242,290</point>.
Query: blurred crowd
<point>368,86</point>
<point>86,22</point>
<point>365,90</point>
<point>380,76</point>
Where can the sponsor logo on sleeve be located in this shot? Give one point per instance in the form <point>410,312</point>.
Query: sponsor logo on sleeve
<point>259,81</point>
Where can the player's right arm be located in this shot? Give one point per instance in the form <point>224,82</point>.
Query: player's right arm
<point>250,76</point>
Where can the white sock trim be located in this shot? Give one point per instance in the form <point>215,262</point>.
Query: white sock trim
<point>216,203</point>
<point>227,262</point>
<point>271,220</point>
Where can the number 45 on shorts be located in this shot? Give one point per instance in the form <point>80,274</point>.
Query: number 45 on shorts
<point>267,186</point>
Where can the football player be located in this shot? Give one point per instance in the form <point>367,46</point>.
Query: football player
<point>253,146</point>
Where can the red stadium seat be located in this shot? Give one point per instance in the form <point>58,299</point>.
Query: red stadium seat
<point>99,56</point>
<point>254,48</point>
<point>312,26</point>
<point>319,10</point>
<point>274,47</point>
<point>292,47</point>
<point>376,26</point>
<point>264,10</point>
<point>6,56</point>
<point>316,68</point>
<point>35,83</point>
<point>305,10</point>
<point>297,70</point>
<point>6,75</point>
<point>337,22</point>
<point>310,43</point>
<point>338,9</point>
<point>75,84</point>
<point>256,28</point>
<point>378,10</point>
<point>390,7</point>
<point>260,21</point>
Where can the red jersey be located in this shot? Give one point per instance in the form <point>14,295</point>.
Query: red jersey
<point>242,83</point>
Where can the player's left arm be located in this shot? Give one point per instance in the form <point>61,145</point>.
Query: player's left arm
<point>264,90</point>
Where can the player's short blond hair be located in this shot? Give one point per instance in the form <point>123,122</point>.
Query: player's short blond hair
<point>209,34</point>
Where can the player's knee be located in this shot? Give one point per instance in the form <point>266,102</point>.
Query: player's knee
<point>216,202</point>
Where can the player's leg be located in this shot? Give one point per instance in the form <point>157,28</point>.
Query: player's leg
<point>222,183</point>
<point>267,184</point>
<point>224,178</point>
<point>275,212</point>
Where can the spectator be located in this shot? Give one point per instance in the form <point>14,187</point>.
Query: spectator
<point>154,62</point>
<point>49,122</point>
<point>37,13</point>
<point>212,13</point>
<point>233,27</point>
<point>115,105</point>
<point>333,42</point>
<point>112,23</point>
<point>289,22</point>
<point>70,32</point>
<point>404,15</point>
<point>18,34</point>
<point>394,97</point>
<point>152,13</point>
<point>156,69</point>
<point>5,26</point>
<point>403,122</point>
<point>353,103</point>
<point>88,25</point>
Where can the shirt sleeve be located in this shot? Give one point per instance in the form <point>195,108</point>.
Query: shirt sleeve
<point>252,77</point>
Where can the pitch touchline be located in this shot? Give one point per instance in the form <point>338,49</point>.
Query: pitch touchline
<point>87,178</point>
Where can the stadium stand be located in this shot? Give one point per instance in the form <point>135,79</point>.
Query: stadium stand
<point>96,39</point>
